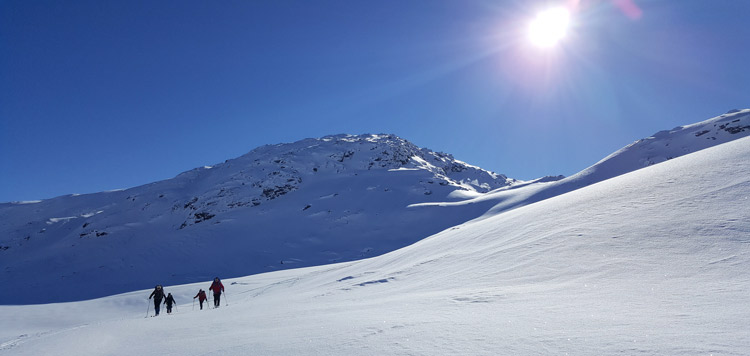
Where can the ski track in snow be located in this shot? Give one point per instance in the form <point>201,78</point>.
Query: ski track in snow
<point>24,338</point>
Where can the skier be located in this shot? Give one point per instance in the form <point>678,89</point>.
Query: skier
<point>217,288</point>
<point>158,295</point>
<point>169,301</point>
<point>201,298</point>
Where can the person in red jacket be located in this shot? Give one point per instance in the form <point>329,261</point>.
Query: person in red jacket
<point>217,288</point>
<point>201,297</point>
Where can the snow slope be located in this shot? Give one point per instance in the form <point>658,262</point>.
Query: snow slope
<point>654,261</point>
<point>311,202</point>
<point>660,147</point>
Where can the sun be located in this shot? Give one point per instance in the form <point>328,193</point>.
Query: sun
<point>549,27</point>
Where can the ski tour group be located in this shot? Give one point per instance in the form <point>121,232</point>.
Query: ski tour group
<point>158,294</point>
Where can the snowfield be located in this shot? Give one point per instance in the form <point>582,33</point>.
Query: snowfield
<point>655,261</point>
<point>313,202</point>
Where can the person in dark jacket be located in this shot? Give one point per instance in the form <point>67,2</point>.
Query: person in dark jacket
<point>158,295</point>
<point>169,301</point>
<point>217,288</point>
<point>201,298</point>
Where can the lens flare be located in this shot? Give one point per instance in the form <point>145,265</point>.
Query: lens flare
<point>549,27</point>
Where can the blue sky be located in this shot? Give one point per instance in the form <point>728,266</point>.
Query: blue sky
<point>100,95</point>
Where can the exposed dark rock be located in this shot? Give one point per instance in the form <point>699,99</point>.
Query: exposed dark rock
<point>277,191</point>
<point>736,129</point>
<point>203,216</point>
<point>190,203</point>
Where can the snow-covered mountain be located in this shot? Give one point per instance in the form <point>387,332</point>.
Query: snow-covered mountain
<point>651,262</point>
<point>311,202</point>
<point>669,144</point>
<point>660,147</point>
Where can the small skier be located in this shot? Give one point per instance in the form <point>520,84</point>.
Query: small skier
<point>201,297</point>
<point>158,295</point>
<point>169,301</point>
<point>217,288</point>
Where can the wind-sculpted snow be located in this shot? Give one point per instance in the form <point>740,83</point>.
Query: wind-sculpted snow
<point>660,147</point>
<point>311,202</point>
<point>666,145</point>
<point>651,262</point>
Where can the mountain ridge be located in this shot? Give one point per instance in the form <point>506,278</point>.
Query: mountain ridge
<point>659,147</point>
<point>314,201</point>
<point>311,202</point>
<point>653,261</point>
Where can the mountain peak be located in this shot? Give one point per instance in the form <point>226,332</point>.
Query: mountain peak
<point>309,202</point>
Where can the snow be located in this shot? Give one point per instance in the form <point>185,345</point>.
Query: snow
<point>646,252</point>
<point>660,147</point>
<point>654,261</point>
<point>26,202</point>
<point>314,201</point>
<point>57,220</point>
<point>88,215</point>
<point>402,169</point>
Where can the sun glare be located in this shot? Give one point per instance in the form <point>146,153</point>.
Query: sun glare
<point>549,27</point>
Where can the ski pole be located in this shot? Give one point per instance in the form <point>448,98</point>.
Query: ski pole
<point>226,300</point>
<point>193,304</point>
<point>148,306</point>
